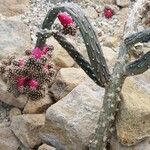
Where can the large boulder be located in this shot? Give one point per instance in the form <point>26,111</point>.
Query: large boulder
<point>37,107</point>
<point>26,128</point>
<point>13,7</point>
<point>8,141</point>
<point>14,35</point>
<point>66,80</point>
<point>70,123</point>
<point>133,123</point>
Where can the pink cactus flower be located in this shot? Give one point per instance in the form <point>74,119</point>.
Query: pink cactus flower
<point>108,12</point>
<point>33,84</point>
<point>37,53</point>
<point>65,19</point>
<point>21,81</point>
<point>21,62</point>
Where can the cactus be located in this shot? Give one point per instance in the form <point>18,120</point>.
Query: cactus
<point>97,60</point>
<point>97,68</point>
<point>28,75</point>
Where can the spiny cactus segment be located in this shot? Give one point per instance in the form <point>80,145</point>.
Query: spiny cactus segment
<point>139,66</point>
<point>97,60</point>
<point>29,74</point>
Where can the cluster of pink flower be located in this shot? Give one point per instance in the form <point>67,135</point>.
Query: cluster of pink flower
<point>66,20</point>
<point>29,74</point>
<point>36,53</point>
<point>68,24</point>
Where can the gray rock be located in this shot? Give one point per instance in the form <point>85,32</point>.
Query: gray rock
<point>144,145</point>
<point>39,106</point>
<point>8,141</point>
<point>13,7</point>
<point>107,1</point>
<point>4,112</point>
<point>61,1</point>
<point>66,80</point>
<point>133,123</point>
<point>91,12</point>
<point>60,58</point>
<point>46,147</point>
<point>123,3</point>
<point>70,123</point>
<point>14,112</point>
<point>14,35</point>
<point>26,128</point>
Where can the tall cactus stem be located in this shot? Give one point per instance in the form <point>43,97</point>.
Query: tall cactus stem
<point>72,51</point>
<point>95,53</point>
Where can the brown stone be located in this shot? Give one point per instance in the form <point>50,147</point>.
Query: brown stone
<point>133,123</point>
<point>14,112</point>
<point>66,80</point>
<point>46,147</point>
<point>37,107</point>
<point>8,141</point>
<point>13,7</point>
<point>26,128</point>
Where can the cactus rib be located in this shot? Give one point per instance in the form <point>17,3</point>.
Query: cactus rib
<point>143,37</point>
<point>139,66</point>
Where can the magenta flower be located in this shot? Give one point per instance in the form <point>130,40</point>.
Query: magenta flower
<point>33,84</point>
<point>65,19</point>
<point>37,53</point>
<point>108,12</point>
<point>21,81</point>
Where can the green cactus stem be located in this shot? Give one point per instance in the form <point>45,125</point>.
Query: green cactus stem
<point>139,66</point>
<point>113,85</point>
<point>72,51</point>
<point>111,102</point>
<point>95,53</point>
<point>143,37</point>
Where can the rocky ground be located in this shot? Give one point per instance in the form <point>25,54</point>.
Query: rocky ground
<point>67,119</point>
